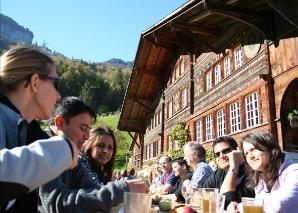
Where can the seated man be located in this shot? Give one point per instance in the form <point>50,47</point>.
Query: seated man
<point>229,178</point>
<point>181,170</point>
<point>169,179</point>
<point>74,190</point>
<point>194,154</point>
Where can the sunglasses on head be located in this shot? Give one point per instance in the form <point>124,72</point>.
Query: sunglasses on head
<point>224,151</point>
<point>55,80</point>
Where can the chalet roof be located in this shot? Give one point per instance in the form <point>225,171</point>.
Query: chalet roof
<point>194,28</point>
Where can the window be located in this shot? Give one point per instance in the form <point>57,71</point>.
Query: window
<point>199,131</point>
<point>182,66</point>
<point>160,116</point>
<point>148,151</point>
<point>170,109</point>
<point>235,117</point>
<point>238,57</point>
<point>227,67</point>
<point>217,74</point>
<point>184,98</point>
<point>252,110</point>
<point>173,76</point>
<point>177,71</point>
<point>221,122</point>
<point>208,80</point>
<point>209,127</point>
<point>154,149</point>
<point>177,102</point>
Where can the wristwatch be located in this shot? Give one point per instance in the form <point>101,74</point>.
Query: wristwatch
<point>234,170</point>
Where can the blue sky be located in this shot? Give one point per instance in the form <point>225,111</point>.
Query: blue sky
<point>92,30</point>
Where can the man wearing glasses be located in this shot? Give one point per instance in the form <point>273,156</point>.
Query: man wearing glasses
<point>229,178</point>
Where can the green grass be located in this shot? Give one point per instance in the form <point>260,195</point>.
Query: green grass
<point>110,120</point>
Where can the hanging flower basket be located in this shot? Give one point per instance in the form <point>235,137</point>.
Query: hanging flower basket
<point>294,121</point>
<point>293,118</point>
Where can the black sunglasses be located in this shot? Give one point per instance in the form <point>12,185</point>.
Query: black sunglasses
<point>51,78</point>
<point>224,151</point>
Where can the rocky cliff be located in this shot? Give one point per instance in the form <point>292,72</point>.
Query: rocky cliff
<point>11,32</point>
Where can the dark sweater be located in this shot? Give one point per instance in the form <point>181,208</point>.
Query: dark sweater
<point>177,188</point>
<point>75,191</point>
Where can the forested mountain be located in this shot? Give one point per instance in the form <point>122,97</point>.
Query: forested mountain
<point>118,62</point>
<point>101,85</point>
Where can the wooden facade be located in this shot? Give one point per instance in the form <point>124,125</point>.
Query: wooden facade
<point>219,68</point>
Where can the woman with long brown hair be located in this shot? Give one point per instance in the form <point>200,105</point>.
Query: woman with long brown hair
<point>273,175</point>
<point>98,154</point>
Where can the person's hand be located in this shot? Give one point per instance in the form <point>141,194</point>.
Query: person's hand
<point>233,207</point>
<point>235,159</point>
<point>137,185</point>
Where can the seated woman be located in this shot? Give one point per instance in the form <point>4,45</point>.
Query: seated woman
<point>181,170</point>
<point>98,155</point>
<point>155,177</point>
<point>273,174</point>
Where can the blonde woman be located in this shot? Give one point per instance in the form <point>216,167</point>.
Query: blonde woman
<point>28,85</point>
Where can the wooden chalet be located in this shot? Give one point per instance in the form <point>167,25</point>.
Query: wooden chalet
<point>221,66</point>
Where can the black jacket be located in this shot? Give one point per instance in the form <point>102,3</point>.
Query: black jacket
<point>216,179</point>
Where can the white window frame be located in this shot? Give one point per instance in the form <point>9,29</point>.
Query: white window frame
<point>238,57</point>
<point>170,108</point>
<point>209,127</point>
<point>221,122</point>
<point>209,81</point>
<point>252,110</point>
<point>199,129</point>
<point>160,116</point>
<point>184,98</point>
<point>217,74</point>
<point>227,66</point>
<point>235,117</point>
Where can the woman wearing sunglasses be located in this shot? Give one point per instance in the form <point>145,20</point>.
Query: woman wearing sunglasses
<point>28,87</point>
<point>229,178</point>
<point>273,175</point>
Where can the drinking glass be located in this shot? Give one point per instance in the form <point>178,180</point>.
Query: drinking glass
<point>252,205</point>
<point>218,201</point>
<point>209,199</point>
<point>136,202</point>
<point>196,199</point>
<point>187,191</point>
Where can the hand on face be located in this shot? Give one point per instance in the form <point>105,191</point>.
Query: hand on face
<point>235,158</point>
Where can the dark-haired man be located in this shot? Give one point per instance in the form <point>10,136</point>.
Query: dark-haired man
<point>181,170</point>
<point>74,190</point>
<point>229,178</point>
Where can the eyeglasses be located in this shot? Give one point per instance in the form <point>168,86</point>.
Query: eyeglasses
<point>51,78</point>
<point>224,151</point>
